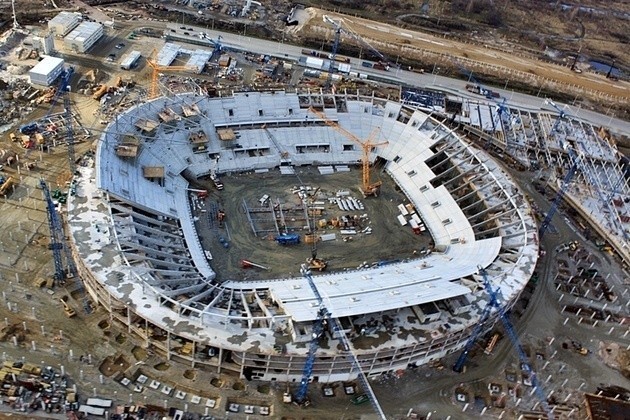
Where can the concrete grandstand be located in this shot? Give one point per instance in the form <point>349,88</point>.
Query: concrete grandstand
<point>142,260</point>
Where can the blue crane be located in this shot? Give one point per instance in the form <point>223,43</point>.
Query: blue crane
<point>561,114</point>
<point>339,29</point>
<point>64,87</point>
<point>333,56</point>
<point>577,162</point>
<point>56,235</point>
<point>324,316</point>
<point>509,328</point>
<point>61,249</point>
<point>556,201</point>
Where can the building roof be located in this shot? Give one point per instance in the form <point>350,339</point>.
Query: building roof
<point>129,59</point>
<point>83,31</point>
<point>47,65</point>
<point>388,287</point>
<point>198,60</point>
<point>65,19</point>
<point>167,54</point>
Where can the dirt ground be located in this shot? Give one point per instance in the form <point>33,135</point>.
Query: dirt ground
<point>394,41</point>
<point>388,240</point>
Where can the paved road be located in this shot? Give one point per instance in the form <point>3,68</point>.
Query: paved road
<point>285,50</point>
<point>516,99</point>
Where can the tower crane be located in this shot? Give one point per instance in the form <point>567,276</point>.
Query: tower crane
<point>509,328</point>
<point>60,248</point>
<point>56,235</point>
<point>367,187</point>
<point>65,91</point>
<point>323,317</point>
<point>156,69</point>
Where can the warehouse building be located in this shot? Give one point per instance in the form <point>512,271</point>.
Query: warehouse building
<point>63,23</point>
<point>130,60</point>
<point>46,71</point>
<point>84,36</point>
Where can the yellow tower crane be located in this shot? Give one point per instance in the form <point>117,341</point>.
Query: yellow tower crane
<point>156,69</point>
<point>367,188</point>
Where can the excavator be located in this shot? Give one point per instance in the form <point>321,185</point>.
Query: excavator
<point>314,263</point>
<point>70,313</point>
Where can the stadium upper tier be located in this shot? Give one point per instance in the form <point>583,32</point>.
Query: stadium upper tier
<point>146,253</point>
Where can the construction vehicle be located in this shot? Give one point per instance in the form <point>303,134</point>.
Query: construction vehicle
<point>494,304</point>
<point>5,185</point>
<point>288,239</point>
<point>314,263</point>
<point>368,188</point>
<point>325,317</point>
<point>70,313</point>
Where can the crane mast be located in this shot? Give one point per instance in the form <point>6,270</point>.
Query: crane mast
<point>509,328</point>
<point>65,91</point>
<point>367,187</point>
<point>56,235</point>
<point>323,316</point>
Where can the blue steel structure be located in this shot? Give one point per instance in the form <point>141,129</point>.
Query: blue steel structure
<point>509,328</point>
<point>556,201</point>
<point>323,317</point>
<point>333,55</point>
<point>56,235</point>
<point>578,163</point>
<point>63,90</point>
<point>502,108</point>
<point>64,87</point>
<point>61,249</point>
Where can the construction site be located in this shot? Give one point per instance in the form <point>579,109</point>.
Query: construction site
<point>208,225</point>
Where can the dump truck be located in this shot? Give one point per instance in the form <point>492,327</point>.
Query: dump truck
<point>102,90</point>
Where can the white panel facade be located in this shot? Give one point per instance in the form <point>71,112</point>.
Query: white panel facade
<point>46,71</point>
<point>63,23</point>
<point>84,36</point>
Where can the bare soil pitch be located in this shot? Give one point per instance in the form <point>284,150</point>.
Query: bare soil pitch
<point>388,240</point>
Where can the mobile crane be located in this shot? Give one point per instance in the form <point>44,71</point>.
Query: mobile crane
<point>368,188</point>
<point>507,324</point>
<point>325,317</point>
<point>339,29</point>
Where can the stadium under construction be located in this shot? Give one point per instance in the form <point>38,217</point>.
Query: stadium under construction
<point>142,258</point>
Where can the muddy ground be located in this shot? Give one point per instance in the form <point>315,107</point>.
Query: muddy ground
<point>388,240</point>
